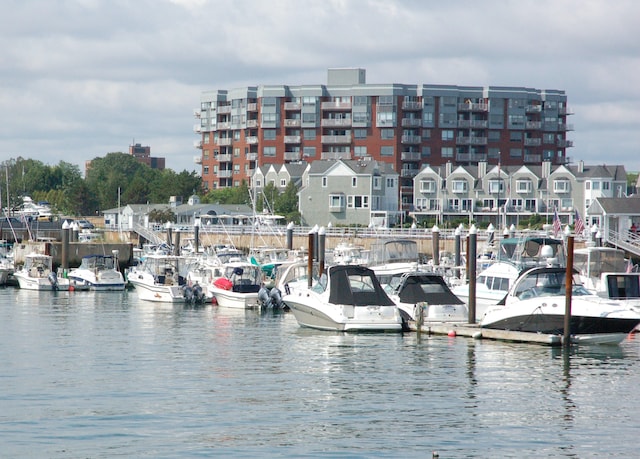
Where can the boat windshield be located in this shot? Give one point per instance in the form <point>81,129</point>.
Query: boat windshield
<point>546,283</point>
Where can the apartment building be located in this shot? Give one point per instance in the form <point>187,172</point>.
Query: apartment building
<point>408,126</point>
<point>503,195</point>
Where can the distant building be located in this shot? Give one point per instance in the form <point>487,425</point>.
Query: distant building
<point>408,126</point>
<point>143,155</point>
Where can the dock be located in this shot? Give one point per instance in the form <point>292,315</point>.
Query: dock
<point>477,332</point>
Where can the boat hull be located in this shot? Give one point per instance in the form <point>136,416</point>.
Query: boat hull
<point>344,317</point>
<point>236,300</point>
<point>158,293</point>
<point>40,283</point>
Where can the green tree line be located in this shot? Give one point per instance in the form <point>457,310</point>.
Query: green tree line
<point>119,178</point>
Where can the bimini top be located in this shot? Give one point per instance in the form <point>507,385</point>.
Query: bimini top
<point>425,287</point>
<point>356,285</point>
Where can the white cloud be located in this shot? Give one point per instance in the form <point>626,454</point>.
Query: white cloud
<point>82,78</point>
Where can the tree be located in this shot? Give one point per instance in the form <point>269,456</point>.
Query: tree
<point>162,216</point>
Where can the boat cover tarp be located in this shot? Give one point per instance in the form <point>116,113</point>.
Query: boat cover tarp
<point>343,290</point>
<point>432,289</point>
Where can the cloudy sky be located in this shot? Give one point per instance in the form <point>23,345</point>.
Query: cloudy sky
<point>82,78</point>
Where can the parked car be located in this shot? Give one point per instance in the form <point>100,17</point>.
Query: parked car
<point>84,224</point>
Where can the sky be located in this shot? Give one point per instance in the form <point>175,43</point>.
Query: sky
<point>83,78</point>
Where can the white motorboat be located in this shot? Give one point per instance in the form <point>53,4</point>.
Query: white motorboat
<point>97,272</point>
<point>345,298</point>
<point>394,257</point>
<point>426,297</point>
<point>238,287</point>
<point>347,253</point>
<point>6,263</point>
<point>513,256</point>
<point>537,302</point>
<point>159,278</point>
<point>37,274</point>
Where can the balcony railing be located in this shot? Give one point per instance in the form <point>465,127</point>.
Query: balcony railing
<point>224,109</point>
<point>291,139</point>
<point>411,105</point>
<point>410,156</point>
<point>251,140</point>
<point>252,107</point>
<point>473,107</point>
<point>251,156</point>
<point>252,123</point>
<point>411,139</point>
<point>225,174</point>
<point>336,139</point>
<point>292,155</point>
<point>291,122</point>
<point>411,122</point>
<point>332,122</point>
<point>471,140</point>
<point>292,105</point>
<point>532,142</point>
<point>473,124</point>
<point>333,105</point>
<point>224,142</point>
<point>336,155</point>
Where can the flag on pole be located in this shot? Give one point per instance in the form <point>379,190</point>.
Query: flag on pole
<point>578,224</point>
<point>557,226</point>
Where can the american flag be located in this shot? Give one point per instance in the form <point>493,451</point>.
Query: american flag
<point>557,226</point>
<point>579,224</point>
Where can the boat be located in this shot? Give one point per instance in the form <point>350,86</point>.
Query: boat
<point>536,303</point>
<point>513,256</point>
<point>37,274</point>
<point>346,298</point>
<point>97,272</point>
<point>238,286</point>
<point>393,257</point>
<point>347,253</point>
<point>426,297</point>
<point>6,263</point>
<point>159,278</point>
<point>593,262</point>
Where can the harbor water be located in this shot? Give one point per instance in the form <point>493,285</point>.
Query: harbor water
<point>104,375</point>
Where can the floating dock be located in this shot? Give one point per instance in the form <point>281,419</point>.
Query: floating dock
<point>476,332</point>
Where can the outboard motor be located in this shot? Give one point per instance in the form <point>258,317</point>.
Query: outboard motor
<point>276,298</point>
<point>53,280</point>
<point>187,292</point>
<point>198,293</point>
<point>263,297</point>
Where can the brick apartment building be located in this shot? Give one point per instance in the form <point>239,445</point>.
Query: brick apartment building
<point>408,126</point>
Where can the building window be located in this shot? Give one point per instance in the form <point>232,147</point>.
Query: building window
<point>360,151</point>
<point>446,152</point>
<point>236,152</point>
<point>387,133</point>
<point>309,100</point>
<point>496,186</point>
<point>324,182</point>
<point>426,151</point>
<point>386,151</point>
<point>268,101</point>
<point>391,183</point>
<point>354,182</point>
<point>236,169</point>
<point>606,186</point>
<point>359,133</point>
<point>357,202</point>
<point>515,136</point>
<point>206,170</point>
<point>269,117</point>
<point>428,186</point>
<point>459,186</point>
<point>561,186</point>
<point>377,183</point>
<point>309,151</point>
<point>309,134</point>
<point>283,183</point>
<point>308,117</point>
<point>269,151</point>
<point>336,202</point>
<point>523,186</point>
<point>269,134</point>
<point>447,134</point>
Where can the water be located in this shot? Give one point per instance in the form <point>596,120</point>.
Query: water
<point>103,375</point>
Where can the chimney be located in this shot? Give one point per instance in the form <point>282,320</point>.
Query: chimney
<point>581,166</point>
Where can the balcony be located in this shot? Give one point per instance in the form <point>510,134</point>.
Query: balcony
<point>532,159</point>
<point>291,139</point>
<point>224,142</point>
<point>532,142</point>
<point>292,155</point>
<point>197,159</point>
<point>251,156</point>
<point>225,174</point>
<point>252,123</point>
<point>533,124</point>
<point>471,140</point>
<point>291,122</point>
<point>565,127</point>
<point>335,155</point>
<point>222,125</point>
<point>473,107</point>
<point>224,109</point>
<point>197,128</point>
<point>411,122</point>
<point>469,124</point>
<point>533,109</point>
<point>411,139</point>
<point>409,173</point>
<point>223,158</point>
<point>333,122</point>
<point>411,105</point>
<point>565,143</point>
<point>197,112</point>
<point>292,106</point>
<point>251,140</point>
<point>471,157</point>
<point>333,105</point>
<point>336,139</point>
<point>252,107</point>
<point>410,156</point>
<point>197,144</point>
